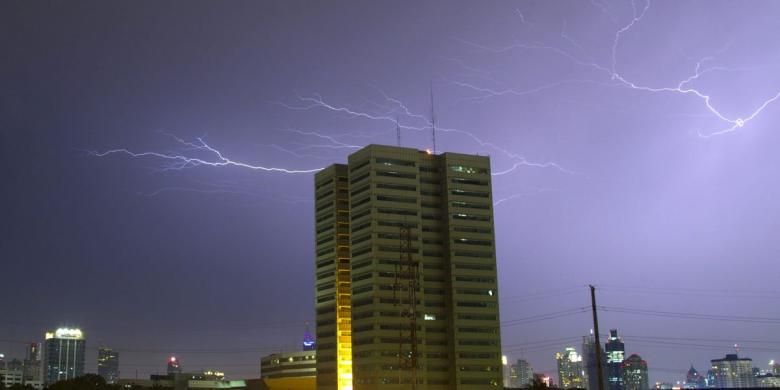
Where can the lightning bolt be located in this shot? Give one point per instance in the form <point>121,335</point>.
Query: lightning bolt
<point>683,87</point>
<point>523,195</point>
<point>424,124</point>
<point>180,161</point>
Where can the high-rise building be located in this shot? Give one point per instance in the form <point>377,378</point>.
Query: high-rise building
<point>571,374</point>
<point>774,367</point>
<point>174,365</point>
<point>405,261</point>
<point>63,355</point>
<point>733,372</point>
<point>635,373</point>
<point>710,378</point>
<point>590,363</point>
<point>32,363</point>
<point>108,365</point>
<point>694,380</point>
<point>525,374</point>
<point>616,352</point>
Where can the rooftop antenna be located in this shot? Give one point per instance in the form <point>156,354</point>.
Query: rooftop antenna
<point>398,131</point>
<point>433,121</point>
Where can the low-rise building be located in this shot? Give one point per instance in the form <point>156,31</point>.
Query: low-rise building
<point>290,370</point>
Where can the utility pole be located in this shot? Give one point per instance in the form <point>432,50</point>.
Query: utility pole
<point>596,335</point>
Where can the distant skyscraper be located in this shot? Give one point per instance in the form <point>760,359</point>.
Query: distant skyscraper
<point>174,365</point>
<point>635,373</point>
<point>733,372</point>
<point>32,363</point>
<point>571,373</point>
<point>63,355</point>
<point>590,364</point>
<point>525,374</point>
<point>694,380</point>
<point>616,352</point>
<point>395,223</point>
<point>710,378</point>
<point>774,367</point>
<point>108,365</point>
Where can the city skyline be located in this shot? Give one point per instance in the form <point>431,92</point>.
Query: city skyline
<point>632,148</point>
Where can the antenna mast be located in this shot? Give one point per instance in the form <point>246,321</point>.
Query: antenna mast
<point>398,131</point>
<point>433,121</point>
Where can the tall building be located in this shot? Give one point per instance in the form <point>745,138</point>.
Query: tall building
<point>710,378</point>
<point>616,352</point>
<point>571,374</point>
<point>63,355</point>
<point>774,367</point>
<point>108,365</point>
<point>525,374</point>
<point>32,363</point>
<point>733,372</point>
<point>590,363</point>
<point>635,373</point>
<point>694,380</point>
<point>405,260</point>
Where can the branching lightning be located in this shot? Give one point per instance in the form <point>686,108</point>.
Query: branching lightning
<point>184,161</point>
<point>424,124</point>
<point>683,87</point>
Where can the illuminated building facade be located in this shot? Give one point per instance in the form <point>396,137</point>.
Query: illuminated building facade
<point>333,278</point>
<point>440,208</point>
<point>635,373</point>
<point>571,373</point>
<point>63,355</point>
<point>616,352</point>
<point>733,372</point>
<point>108,365</point>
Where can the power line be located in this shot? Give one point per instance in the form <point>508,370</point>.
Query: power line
<point>695,316</point>
<point>731,293</point>
<point>543,317</point>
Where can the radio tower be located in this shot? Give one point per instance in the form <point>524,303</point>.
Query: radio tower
<point>407,278</point>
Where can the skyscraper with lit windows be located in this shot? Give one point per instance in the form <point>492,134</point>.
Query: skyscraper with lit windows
<point>63,355</point>
<point>387,208</point>
<point>733,372</point>
<point>571,373</point>
<point>616,352</point>
<point>635,373</point>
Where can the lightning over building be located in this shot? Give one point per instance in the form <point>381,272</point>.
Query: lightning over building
<point>406,283</point>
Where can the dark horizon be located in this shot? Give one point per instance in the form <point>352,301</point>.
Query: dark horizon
<point>632,149</point>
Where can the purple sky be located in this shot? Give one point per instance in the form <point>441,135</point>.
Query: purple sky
<point>611,147</point>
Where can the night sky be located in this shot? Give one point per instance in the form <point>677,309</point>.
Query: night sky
<point>634,147</point>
